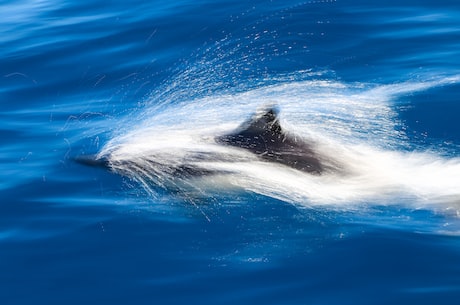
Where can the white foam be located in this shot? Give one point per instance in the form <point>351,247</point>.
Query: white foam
<point>353,125</point>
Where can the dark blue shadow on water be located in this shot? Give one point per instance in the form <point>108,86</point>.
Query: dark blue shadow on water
<point>263,252</point>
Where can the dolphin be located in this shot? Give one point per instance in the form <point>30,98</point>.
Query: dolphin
<point>263,157</point>
<point>261,135</point>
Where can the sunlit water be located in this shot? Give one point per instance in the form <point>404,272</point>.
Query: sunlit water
<point>149,85</point>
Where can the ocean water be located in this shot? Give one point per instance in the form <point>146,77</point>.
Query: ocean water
<point>147,85</point>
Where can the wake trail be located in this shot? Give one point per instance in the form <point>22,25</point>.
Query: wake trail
<point>353,125</point>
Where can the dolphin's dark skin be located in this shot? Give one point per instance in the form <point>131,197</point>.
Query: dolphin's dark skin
<point>92,161</point>
<point>263,136</point>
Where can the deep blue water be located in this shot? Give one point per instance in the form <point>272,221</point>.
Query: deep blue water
<point>78,76</point>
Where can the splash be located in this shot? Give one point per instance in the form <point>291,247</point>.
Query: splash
<point>355,125</point>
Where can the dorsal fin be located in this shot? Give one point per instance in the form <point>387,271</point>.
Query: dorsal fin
<point>266,121</point>
<point>263,136</point>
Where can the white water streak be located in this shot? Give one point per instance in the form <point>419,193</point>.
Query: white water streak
<point>353,126</point>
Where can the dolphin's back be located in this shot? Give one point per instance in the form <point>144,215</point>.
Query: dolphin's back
<point>263,136</point>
